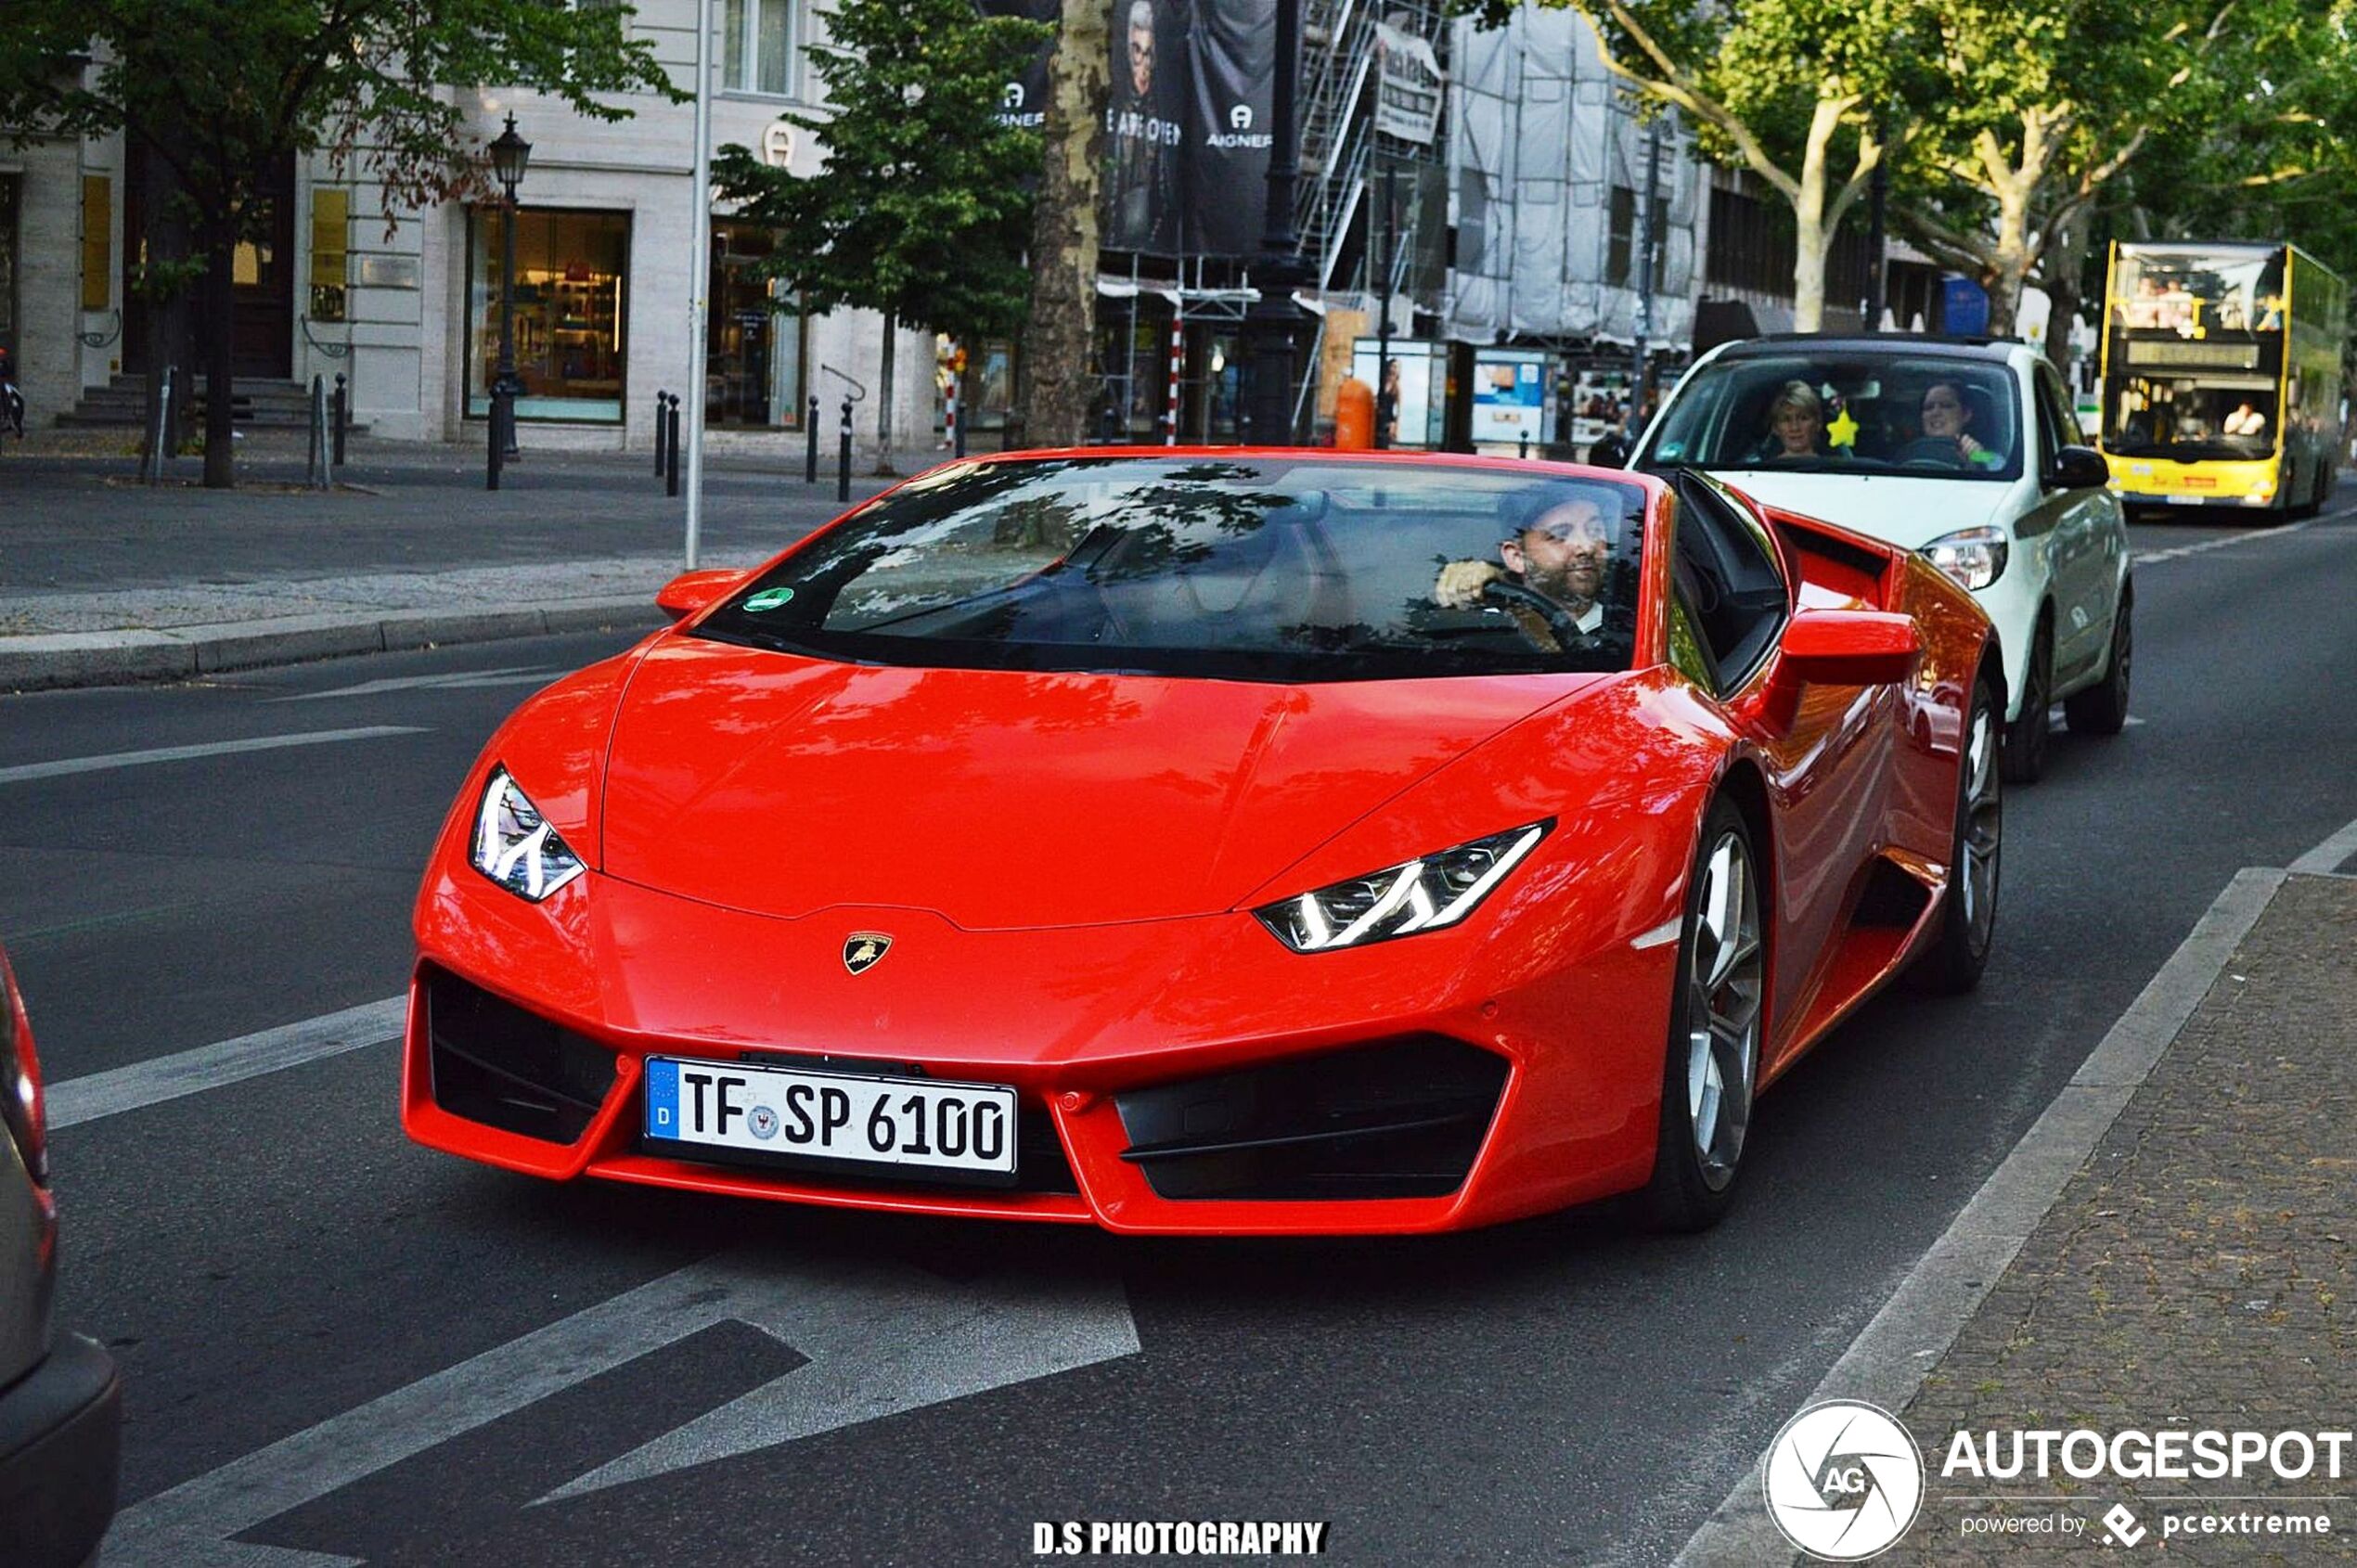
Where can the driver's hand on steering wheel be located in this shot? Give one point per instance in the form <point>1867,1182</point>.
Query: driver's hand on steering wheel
<point>1460,581</point>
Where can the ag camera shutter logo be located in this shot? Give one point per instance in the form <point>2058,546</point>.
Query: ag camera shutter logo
<point>1844,1480</point>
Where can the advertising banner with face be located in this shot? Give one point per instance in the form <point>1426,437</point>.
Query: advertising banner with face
<point>1145,129</point>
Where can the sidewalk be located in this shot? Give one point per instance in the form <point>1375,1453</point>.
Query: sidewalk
<point>2198,1272</point>
<point>103,580</point>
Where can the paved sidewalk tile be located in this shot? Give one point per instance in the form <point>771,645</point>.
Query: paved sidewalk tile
<point>2200,1272</point>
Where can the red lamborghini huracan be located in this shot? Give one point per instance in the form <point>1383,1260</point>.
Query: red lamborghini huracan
<point>1224,840</point>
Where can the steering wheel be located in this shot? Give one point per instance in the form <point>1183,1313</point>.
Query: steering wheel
<point>1505,592</point>
<point>1930,452</point>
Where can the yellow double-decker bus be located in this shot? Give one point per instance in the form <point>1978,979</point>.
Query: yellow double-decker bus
<point>2222,375</point>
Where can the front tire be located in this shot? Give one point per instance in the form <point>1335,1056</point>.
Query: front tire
<point>1716,1017</point>
<point>1968,910</point>
<point>2101,709</point>
<point>2026,737</point>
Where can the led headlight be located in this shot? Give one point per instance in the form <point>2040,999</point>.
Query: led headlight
<point>1425,894</point>
<point>1972,556</point>
<point>514,847</point>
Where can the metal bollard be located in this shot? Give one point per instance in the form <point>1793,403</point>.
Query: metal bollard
<point>663,429</point>
<point>1522,448</point>
<point>671,446</point>
<point>317,421</point>
<point>843,462</point>
<point>810,429</point>
<point>344,415</point>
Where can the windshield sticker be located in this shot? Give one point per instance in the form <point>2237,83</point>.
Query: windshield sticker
<point>768,598</point>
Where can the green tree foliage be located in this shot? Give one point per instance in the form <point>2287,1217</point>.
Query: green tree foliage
<point>1808,95</point>
<point>222,92</point>
<point>923,207</point>
<point>2043,104</point>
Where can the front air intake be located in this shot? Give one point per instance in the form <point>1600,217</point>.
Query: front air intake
<point>494,1062</point>
<point>1402,1119</point>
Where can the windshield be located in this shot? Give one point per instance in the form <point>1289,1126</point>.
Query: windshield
<point>2193,294</point>
<point>1261,569</point>
<point>1931,417</point>
<point>2189,419</point>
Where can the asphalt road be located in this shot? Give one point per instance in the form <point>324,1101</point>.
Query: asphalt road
<point>269,1256</point>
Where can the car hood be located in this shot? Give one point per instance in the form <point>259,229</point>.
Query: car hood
<point>780,785</point>
<point>1901,508</point>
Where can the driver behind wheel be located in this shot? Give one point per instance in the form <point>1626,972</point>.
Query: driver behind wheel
<point>1947,418</point>
<point>1563,537</point>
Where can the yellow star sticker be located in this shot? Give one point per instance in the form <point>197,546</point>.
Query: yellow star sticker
<point>1843,430</point>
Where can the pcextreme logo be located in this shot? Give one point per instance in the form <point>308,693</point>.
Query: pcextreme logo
<point>1843,1480</point>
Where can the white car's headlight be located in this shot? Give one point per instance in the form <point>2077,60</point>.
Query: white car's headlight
<point>1425,894</point>
<point>1972,556</point>
<point>514,847</point>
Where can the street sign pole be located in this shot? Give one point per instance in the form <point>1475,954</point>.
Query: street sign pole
<point>699,278</point>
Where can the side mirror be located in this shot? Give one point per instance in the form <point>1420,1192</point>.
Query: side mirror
<point>690,591</point>
<point>1850,648</point>
<point>2079,467</point>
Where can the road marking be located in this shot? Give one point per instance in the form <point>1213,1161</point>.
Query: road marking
<point>512,675</point>
<point>2327,856</point>
<point>1886,1364</point>
<point>2146,558</point>
<point>59,769</point>
<point>142,1084</point>
<point>880,1339</point>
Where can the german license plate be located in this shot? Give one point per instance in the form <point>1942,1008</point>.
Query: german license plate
<point>2189,500</point>
<point>841,1118</point>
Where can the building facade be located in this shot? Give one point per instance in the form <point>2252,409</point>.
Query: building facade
<point>405,303</point>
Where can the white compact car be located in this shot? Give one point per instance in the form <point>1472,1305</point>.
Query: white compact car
<point>1964,449</point>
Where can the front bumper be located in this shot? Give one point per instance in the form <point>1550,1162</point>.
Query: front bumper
<point>61,1446</point>
<point>1163,1068</point>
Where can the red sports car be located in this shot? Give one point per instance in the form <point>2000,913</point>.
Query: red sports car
<point>1239,842</point>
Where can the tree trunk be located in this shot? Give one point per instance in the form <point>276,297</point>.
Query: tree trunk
<point>1809,270</point>
<point>883,412</point>
<point>1815,239</point>
<point>1057,390</point>
<point>165,324</point>
<point>2061,265</point>
<point>2009,265</point>
<point>219,331</point>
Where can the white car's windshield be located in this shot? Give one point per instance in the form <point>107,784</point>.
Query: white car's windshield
<point>1924,415</point>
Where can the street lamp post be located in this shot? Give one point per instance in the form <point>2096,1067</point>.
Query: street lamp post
<point>510,153</point>
<point>1271,325</point>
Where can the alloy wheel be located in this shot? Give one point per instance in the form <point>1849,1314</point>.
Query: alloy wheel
<point>1983,827</point>
<point>1723,986</point>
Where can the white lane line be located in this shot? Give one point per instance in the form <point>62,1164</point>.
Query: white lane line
<point>142,1084</point>
<point>2327,856</point>
<point>878,1337</point>
<point>2145,557</point>
<point>59,769</point>
<point>1886,1364</point>
<point>510,674</point>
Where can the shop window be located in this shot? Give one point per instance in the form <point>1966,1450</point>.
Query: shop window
<point>757,46</point>
<point>753,340</point>
<point>97,241</point>
<point>570,315</point>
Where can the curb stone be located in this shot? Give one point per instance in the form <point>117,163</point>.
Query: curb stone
<point>58,659</point>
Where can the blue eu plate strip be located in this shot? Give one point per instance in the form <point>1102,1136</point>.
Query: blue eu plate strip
<point>663,1098</point>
